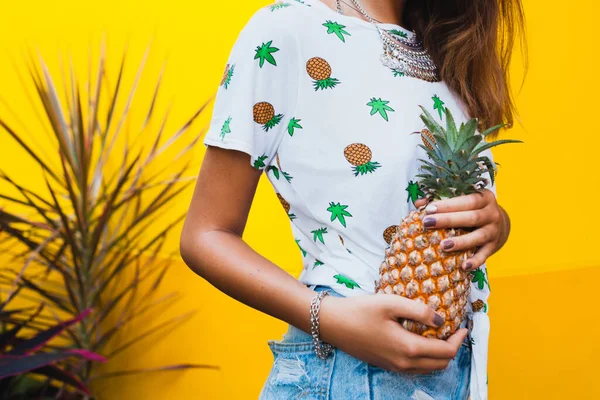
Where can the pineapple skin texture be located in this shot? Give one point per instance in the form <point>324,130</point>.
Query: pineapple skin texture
<point>416,267</point>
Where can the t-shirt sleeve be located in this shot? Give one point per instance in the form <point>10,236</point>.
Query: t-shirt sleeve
<point>257,93</point>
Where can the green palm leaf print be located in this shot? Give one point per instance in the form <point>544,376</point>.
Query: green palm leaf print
<point>276,173</point>
<point>380,106</point>
<point>264,52</point>
<point>338,211</point>
<point>438,105</point>
<point>301,249</point>
<point>414,192</point>
<point>398,33</point>
<point>337,29</point>
<point>260,162</point>
<point>227,80</point>
<point>292,125</point>
<point>318,234</point>
<point>279,6</point>
<point>225,129</point>
<point>478,277</point>
<point>344,280</point>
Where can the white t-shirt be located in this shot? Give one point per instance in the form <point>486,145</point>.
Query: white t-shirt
<point>305,95</point>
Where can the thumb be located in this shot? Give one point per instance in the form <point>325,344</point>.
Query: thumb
<point>402,307</point>
<point>457,338</point>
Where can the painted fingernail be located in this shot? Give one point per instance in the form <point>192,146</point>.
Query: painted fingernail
<point>427,222</point>
<point>469,265</point>
<point>430,209</point>
<point>448,244</point>
<point>438,320</point>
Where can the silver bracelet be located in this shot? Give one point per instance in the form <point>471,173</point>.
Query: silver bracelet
<point>322,349</point>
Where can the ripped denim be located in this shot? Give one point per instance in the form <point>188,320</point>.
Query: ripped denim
<point>297,373</point>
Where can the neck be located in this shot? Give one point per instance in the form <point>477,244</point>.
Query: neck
<point>384,11</point>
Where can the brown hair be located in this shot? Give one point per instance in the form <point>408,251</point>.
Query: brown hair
<point>471,42</point>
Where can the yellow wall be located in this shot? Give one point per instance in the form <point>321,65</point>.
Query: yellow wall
<point>533,352</point>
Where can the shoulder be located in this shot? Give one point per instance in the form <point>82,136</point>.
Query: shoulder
<point>280,19</point>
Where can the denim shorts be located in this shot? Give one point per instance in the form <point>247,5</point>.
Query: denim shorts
<point>297,373</point>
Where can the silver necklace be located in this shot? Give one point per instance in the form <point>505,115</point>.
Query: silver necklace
<point>404,55</point>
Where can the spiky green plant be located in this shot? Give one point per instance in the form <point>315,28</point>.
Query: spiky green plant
<point>85,237</point>
<point>456,167</point>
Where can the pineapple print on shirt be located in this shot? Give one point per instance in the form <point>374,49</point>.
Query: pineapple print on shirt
<point>342,241</point>
<point>479,305</point>
<point>320,70</point>
<point>389,232</point>
<point>286,206</point>
<point>227,75</point>
<point>264,114</point>
<point>360,155</point>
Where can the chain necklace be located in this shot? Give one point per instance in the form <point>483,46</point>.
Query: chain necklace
<point>404,55</point>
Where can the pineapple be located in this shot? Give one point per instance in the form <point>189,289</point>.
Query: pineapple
<point>359,155</point>
<point>478,305</point>
<point>286,206</point>
<point>389,232</point>
<point>320,70</point>
<point>227,74</point>
<point>415,265</point>
<point>264,114</point>
<point>426,133</point>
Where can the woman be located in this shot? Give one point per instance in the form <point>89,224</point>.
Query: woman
<point>308,99</point>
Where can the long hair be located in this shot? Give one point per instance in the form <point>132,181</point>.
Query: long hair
<point>471,42</point>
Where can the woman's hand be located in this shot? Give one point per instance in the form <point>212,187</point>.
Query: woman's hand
<point>367,328</point>
<point>478,210</point>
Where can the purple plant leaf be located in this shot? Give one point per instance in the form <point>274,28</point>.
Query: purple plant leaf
<point>14,365</point>
<point>88,355</point>
<point>39,340</point>
<point>176,367</point>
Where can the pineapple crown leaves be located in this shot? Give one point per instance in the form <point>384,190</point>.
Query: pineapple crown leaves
<point>455,167</point>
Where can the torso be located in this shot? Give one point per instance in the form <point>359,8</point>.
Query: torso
<point>328,156</point>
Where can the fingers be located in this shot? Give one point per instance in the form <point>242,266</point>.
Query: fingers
<point>478,259</point>
<point>470,240</point>
<point>470,218</point>
<point>457,338</point>
<point>422,347</point>
<point>473,201</point>
<point>401,307</point>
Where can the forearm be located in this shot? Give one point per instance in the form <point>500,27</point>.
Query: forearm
<point>232,266</point>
